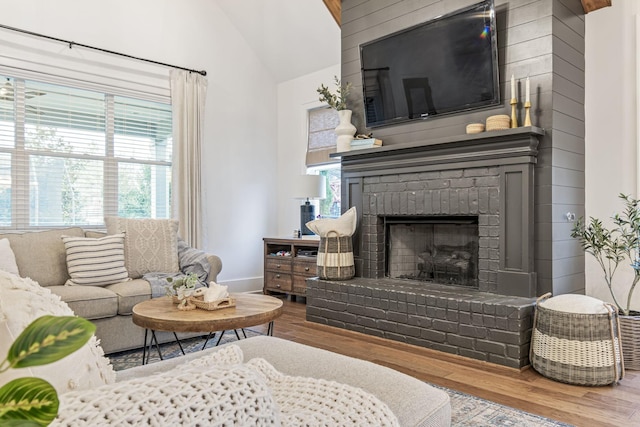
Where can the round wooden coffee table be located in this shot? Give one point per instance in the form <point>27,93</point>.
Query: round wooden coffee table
<point>161,314</point>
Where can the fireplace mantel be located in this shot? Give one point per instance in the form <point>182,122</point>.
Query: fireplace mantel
<point>489,175</point>
<point>519,145</point>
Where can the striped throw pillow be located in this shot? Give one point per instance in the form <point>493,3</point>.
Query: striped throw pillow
<point>95,262</point>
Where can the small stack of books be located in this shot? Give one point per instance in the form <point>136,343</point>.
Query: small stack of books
<point>362,144</point>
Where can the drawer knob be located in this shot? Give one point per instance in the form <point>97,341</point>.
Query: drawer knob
<point>278,266</point>
<point>277,277</point>
<point>278,286</point>
<point>306,269</point>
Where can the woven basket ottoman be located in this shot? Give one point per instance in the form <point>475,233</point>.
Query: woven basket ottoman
<point>576,340</point>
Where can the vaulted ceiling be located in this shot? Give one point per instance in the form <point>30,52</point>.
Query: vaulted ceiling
<point>291,37</point>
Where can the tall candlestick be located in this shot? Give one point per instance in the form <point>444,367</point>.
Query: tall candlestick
<point>513,87</point>
<point>527,98</point>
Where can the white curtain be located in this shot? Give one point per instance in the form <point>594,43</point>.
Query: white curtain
<point>188,94</point>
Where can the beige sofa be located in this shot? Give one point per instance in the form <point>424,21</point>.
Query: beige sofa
<point>41,256</point>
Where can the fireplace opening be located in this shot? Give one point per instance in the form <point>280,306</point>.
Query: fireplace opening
<point>438,249</point>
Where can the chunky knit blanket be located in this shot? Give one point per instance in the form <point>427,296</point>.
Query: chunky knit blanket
<point>218,390</point>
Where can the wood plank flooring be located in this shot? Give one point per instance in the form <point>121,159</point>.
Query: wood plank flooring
<point>617,405</point>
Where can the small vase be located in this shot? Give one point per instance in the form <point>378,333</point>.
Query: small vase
<point>345,131</point>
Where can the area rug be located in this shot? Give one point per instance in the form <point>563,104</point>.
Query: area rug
<point>466,410</point>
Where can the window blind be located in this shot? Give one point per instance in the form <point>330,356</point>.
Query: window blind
<point>70,156</point>
<point>321,136</point>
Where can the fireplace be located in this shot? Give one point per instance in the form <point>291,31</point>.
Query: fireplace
<point>434,249</point>
<point>444,246</point>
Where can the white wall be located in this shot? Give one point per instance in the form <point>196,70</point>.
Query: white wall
<point>611,125</point>
<point>240,149</point>
<point>295,98</point>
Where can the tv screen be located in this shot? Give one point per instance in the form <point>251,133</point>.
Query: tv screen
<point>442,66</point>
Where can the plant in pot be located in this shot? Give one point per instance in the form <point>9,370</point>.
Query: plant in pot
<point>612,247</point>
<point>338,101</point>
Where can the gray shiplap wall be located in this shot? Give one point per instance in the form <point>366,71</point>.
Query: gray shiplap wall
<point>542,39</point>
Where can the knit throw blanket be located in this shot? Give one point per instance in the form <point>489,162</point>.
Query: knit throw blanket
<point>218,389</point>
<point>191,261</point>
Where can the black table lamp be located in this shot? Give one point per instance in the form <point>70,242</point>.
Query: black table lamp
<point>309,187</point>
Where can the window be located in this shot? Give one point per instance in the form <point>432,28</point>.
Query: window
<point>71,156</point>
<point>330,205</point>
<point>321,143</point>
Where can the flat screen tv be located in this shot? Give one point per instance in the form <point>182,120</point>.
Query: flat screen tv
<point>443,66</point>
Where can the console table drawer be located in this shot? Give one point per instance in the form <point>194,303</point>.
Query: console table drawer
<point>306,267</point>
<point>279,281</point>
<point>277,264</point>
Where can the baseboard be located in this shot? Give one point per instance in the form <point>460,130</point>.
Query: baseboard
<point>247,284</point>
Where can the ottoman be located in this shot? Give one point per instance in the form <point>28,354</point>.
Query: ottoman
<point>576,340</point>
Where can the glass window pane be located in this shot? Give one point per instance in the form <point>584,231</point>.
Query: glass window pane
<point>65,191</point>
<point>7,112</point>
<point>64,119</point>
<point>5,189</point>
<point>143,129</point>
<point>144,191</point>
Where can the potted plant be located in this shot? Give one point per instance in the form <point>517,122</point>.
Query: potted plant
<point>611,247</point>
<point>338,101</point>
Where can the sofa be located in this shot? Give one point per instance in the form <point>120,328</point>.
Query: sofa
<point>41,256</point>
<point>256,381</point>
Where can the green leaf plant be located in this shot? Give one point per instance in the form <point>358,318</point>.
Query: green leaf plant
<point>33,401</point>
<point>338,100</point>
<point>612,246</point>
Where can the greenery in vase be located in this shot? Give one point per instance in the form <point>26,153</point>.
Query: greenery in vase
<point>31,401</point>
<point>183,287</point>
<point>610,247</point>
<point>337,100</point>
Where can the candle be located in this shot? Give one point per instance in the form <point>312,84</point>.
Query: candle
<point>527,98</point>
<point>513,87</point>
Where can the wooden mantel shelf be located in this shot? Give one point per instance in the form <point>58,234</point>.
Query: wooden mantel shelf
<point>518,145</point>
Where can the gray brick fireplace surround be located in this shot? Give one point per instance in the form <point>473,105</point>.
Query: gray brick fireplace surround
<point>517,185</point>
<point>486,176</point>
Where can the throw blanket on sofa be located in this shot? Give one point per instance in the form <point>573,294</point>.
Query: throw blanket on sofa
<point>191,261</point>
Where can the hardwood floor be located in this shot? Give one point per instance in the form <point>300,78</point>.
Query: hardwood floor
<point>617,405</point>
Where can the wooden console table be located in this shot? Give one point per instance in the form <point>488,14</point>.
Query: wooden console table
<point>288,263</point>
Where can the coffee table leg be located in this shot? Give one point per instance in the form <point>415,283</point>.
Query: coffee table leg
<point>179,344</point>
<point>270,329</point>
<point>220,338</point>
<point>153,338</point>
<point>144,348</point>
<point>207,340</point>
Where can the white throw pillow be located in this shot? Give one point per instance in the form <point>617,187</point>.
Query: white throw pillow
<point>150,245</point>
<point>8,258</point>
<point>21,302</point>
<point>344,226</point>
<point>95,261</point>
<point>207,391</point>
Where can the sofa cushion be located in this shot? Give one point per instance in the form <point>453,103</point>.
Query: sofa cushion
<point>90,302</point>
<point>95,261</point>
<point>150,245</point>
<point>129,294</point>
<point>22,302</point>
<point>8,258</point>
<point>40,255</point>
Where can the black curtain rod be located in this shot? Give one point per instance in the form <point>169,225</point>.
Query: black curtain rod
<point>72,44</point>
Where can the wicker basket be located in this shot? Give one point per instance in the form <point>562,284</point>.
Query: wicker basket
<point>335,257</point>
<point>498,122</point>
<point>214,305</point>
<point>630,333</point>
<point>577,348</point>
